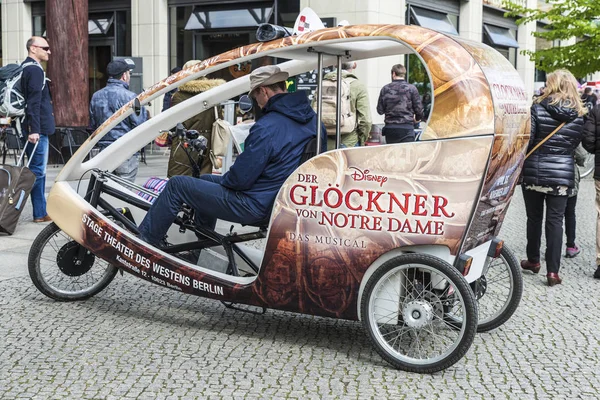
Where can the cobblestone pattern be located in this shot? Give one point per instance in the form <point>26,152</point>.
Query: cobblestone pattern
<point>139,341</point>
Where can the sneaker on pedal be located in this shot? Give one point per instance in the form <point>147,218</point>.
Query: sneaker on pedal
<point>572,251</point>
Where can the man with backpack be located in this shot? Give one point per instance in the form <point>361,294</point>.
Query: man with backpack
<point>401,103</point>
<point>38,123</point>
<point>355,119</point>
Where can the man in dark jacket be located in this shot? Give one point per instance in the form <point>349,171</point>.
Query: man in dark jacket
<point>105,102</point>
<point>246,193</point>
<point>591,142</point>
<point>39,120</point>
<point>401,103</point>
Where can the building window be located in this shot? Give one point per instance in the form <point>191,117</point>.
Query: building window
<point>203,18</point>
<point>39,25</point>
<point>438,21</point>
<point>503,40</point>
<point>100,24</point>
<point>200,32</point>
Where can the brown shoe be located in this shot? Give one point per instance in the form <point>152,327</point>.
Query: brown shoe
<point>553,279</point>
<point>530,266</point>
<point>43,219</point>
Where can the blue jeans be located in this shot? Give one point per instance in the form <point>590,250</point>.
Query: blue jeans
<point>206,196</point>
<point>38,163</point>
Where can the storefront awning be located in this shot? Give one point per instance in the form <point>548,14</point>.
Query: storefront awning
<point>435,20</point>
<point>501,37</point>
<point>203,18</point>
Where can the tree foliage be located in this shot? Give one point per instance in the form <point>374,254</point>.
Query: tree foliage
<point>564,19</point>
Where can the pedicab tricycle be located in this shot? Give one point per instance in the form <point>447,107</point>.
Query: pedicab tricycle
<point>403,237</point>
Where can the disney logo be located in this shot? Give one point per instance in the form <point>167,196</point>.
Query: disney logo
<point>360,175</point>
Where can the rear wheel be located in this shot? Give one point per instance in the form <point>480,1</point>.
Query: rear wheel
<point>404,309</point>
<point>499,291</point>
<point>61,270</point>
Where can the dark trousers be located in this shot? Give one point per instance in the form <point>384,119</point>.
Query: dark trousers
<point>555,211</point>
<point>206,196</point>
<point>570,221</point>
<point>398,135</point>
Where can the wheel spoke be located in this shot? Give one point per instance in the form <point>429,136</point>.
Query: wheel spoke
<point>54,270</point>
<point>407,309</point>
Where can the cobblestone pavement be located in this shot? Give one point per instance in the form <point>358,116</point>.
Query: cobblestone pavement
<point>138,341</point>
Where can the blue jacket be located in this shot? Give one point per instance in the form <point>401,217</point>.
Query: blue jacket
<point>273,149</point>
<point>39,114</point>
<point>105,102</point>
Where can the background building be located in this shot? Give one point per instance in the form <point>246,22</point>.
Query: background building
<point>163,34</point>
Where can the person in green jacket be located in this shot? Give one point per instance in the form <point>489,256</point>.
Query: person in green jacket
<point>359,106</point>
<point>179,163</point>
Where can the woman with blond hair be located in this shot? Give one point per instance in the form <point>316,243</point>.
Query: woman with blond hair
<point>549,171</point>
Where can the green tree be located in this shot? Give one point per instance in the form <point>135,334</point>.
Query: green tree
<point>565,19</point>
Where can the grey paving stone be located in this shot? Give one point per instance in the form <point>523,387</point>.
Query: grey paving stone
<point>139,341</point>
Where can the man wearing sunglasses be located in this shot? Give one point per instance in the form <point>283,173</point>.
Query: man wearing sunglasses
<point>39,120</point>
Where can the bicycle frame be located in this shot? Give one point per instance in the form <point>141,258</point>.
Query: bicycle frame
<point>207,238</point>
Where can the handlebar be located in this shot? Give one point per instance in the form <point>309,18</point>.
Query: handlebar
<point>199,144</point>
<point>182,133</point>
<point>189,137</point>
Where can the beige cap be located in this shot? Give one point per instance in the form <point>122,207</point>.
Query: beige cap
<point>191,63</point>
<point>265,76</point>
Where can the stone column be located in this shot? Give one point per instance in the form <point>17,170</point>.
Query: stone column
<point>16,30</point>
<point>471,20</point>
<point>150,40</point>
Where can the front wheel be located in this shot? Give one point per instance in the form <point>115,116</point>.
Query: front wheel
<point>404,309</point>
<point>62,270</point>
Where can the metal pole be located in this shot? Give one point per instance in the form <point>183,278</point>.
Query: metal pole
<point>229,116</point>
<point>338,105</point>
<point>319,100</point>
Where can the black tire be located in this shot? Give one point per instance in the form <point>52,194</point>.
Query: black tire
<point>588,167</point>
<point>413,306</point>
<point>499,291</point>
<point>54,273</point>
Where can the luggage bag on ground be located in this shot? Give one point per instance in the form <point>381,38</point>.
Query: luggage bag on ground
<point>16,183</point>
